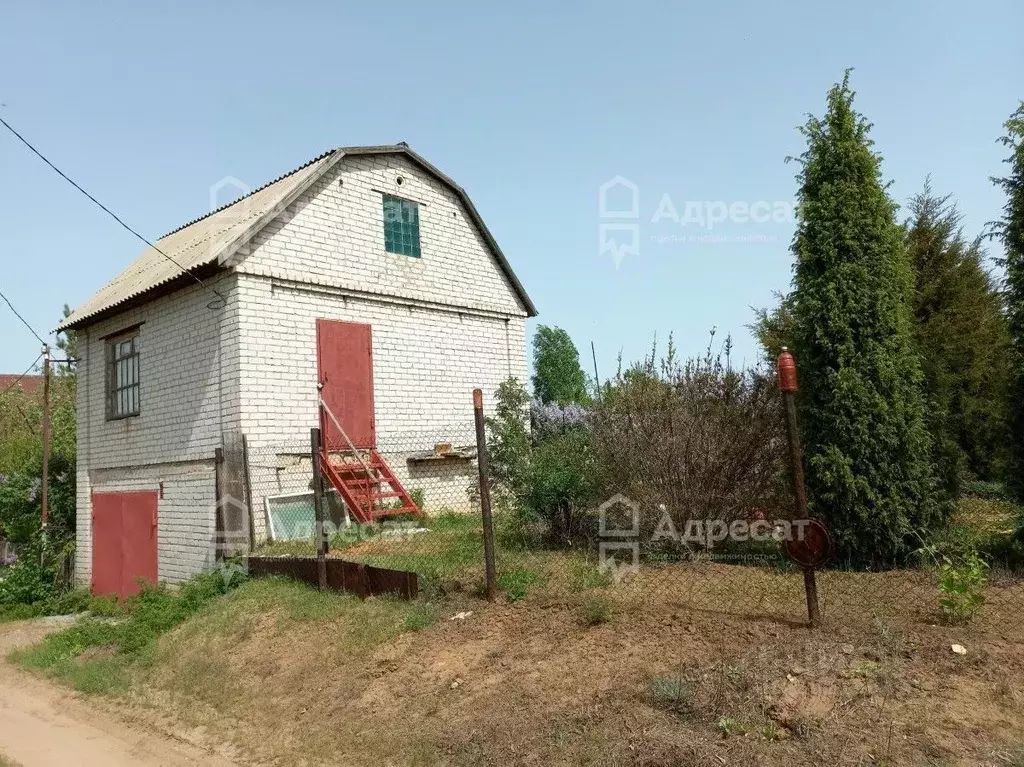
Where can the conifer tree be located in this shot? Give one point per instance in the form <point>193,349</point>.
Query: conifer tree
<point>1010,230</point>
<point>868,452</point>
<point>963,341</point>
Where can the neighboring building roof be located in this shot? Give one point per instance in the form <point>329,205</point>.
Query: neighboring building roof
<point>28,384</point>
<point>211,239</point>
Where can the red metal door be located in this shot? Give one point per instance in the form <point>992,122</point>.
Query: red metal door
<point>345,366</point>
<point>138,541</point>
<point>106,544</point>
<point>124,543</point>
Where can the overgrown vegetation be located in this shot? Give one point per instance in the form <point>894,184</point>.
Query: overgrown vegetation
<point>695,439</point>
<point>34,580</point>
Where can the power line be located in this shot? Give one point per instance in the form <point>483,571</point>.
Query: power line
<point>18,379</point>
<point>23,320</point>
<point>105,209</point>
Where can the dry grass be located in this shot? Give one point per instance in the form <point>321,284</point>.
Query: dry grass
<point>287,674</point>
<point>6,762</point>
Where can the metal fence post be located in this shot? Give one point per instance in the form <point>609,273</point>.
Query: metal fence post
<point>485,494</point>
<point>318,506</point>
<point>788,386</point>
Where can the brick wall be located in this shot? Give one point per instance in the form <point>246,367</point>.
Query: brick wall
<point>188,369</point>
<point>333,235</point>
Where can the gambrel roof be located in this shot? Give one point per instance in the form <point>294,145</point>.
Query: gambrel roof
<point>209,241</point>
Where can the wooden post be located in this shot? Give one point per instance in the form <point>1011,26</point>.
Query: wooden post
<point>788,386</point>
<point>46,437</point>
<point>248,494</point>
<point>218,520</point>
<point>318,507</point>
<point>234,511</point>
<point>485,495</point>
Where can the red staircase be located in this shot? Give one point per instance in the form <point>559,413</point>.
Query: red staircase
<point>362,477</point>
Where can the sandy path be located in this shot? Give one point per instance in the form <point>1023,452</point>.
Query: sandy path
<point>43,725</point>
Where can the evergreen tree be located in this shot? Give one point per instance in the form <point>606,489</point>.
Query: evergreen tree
<point>773,328</point>
<point>963,341</point>
<point>557,375</point>
<point>1010,230</point>
<point>868,466</point>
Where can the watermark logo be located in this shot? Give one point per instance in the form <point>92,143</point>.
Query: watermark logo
<point>231,538</point>
<point>226,191</point>
<point>623,224</point>
<point>619,548</point>
<point>620,238</point>
<point>622,535</point>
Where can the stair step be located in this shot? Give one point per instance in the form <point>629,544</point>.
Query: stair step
<point>376,513</point>
<point>387,494</point>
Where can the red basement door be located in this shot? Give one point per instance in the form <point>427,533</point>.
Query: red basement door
<point>124,546</point>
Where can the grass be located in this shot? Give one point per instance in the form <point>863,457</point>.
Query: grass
<point>97,653</point>
<point>595,610</point>
<point>102,654</point>
<point>517,583</point>
<point>61,604</point>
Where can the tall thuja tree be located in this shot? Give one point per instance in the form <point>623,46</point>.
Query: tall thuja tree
<point>1010,230</point>
<point>868,451</point>
<point>963,341</point>
<point>557,375</point>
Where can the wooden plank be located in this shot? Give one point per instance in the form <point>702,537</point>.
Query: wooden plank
<point>355,578</point>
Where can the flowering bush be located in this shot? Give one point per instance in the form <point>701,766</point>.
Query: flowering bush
<point>542,463</point>
<point>553,418</point>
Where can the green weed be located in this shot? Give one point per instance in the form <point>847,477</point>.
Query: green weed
<point>595,611</point>
<point>517,583</point>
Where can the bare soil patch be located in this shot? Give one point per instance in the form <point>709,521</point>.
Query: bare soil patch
<point>533,683</point>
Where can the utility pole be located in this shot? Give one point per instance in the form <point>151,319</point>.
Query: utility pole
<point>46,435</point>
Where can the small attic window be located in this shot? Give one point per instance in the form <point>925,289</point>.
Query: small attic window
<point>401,226</point>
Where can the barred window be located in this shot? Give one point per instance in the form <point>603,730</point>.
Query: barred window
<point>123,376</point>
<point>401,226</point>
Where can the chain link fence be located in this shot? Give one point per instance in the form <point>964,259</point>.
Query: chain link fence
<point>639,557</point>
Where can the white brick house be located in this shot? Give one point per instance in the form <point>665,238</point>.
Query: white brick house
<point>372,236</point>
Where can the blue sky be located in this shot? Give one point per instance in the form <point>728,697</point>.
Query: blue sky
<point>529,106</point>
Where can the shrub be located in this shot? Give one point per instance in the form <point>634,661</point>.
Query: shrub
<point>963,588</point>
<point>21,501</point>
<point>962,580</point>
<point>696,438</point>
<point>541,478</point>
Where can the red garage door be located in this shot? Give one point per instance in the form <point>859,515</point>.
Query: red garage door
<point>123,542</point>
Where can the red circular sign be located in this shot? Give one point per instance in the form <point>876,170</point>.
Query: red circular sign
<point>810,544</point>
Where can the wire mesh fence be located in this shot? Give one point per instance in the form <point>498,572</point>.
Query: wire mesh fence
<point>596,551</point>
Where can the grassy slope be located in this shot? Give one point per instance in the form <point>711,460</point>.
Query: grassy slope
<point>593,675</point>
<point>287,673</point>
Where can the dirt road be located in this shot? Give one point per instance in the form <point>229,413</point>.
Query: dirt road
<point>43,725</point>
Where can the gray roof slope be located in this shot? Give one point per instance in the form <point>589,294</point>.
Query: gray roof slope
<point>213,238</point>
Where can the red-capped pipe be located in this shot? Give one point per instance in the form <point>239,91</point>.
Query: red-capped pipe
<point>787,371</point>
